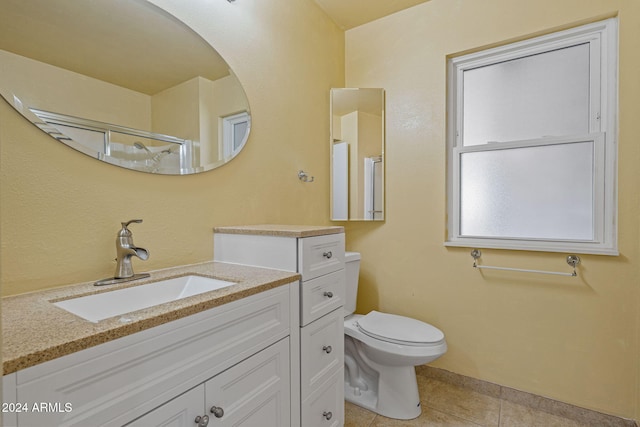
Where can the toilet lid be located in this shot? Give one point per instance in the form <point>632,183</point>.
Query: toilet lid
<point>399,329</point>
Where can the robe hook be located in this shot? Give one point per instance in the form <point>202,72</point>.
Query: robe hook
<point>305,177</point>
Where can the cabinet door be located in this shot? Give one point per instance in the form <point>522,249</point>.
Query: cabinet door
<point>253,393</point>
<point>179,412</point>
<point>321,351</point>
<point>325,406</point>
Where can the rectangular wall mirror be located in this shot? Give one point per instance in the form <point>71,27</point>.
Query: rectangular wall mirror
<point>357,154</point>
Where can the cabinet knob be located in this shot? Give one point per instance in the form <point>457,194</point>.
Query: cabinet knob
<point>202,421</point>
<point>217,411</point>
<point>327,415</point>
<point>327,349</point>
<point>327,254</point>
<point>328,294</point>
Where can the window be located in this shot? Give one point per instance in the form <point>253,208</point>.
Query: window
<point>532,144</point>
<point>235,131</point>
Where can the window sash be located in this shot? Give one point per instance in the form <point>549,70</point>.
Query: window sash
<point>528,97</point>
<point>596,183</point>
<point>524,49</point>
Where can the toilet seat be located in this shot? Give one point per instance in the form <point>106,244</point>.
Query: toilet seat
<point>399,329</point>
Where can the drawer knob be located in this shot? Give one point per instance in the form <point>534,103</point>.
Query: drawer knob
<point>327,415</point>
<point>328,294</point>
<point>202,421</point>
<point>327,254</point>
<point>327,349</point>
<point>217,411</point>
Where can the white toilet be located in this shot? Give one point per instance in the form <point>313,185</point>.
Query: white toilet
<point>381,352</point>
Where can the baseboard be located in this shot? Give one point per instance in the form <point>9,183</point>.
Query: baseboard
<point>584,416</point>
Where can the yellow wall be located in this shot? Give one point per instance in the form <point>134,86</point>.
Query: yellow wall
<point>369,138</point>
<point>61,91</point>
<point>227,99</point>
<point>349,133</point>
<point>176,111</point>
<point>576,340</point>
<point>60,210</point>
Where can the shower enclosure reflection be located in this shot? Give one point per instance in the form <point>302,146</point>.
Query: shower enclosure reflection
<point>119,145</point>
<point>357,154</point>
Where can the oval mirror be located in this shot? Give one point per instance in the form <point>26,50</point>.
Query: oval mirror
<point>357,154</point>
<point>122,81</point>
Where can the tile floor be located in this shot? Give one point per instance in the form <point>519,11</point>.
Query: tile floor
<point>448,405</point>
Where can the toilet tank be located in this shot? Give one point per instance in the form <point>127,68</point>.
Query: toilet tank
<point>352,271</point>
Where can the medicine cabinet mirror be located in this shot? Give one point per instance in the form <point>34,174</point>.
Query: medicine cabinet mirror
<point>122,81</point>
<point>357,154</point>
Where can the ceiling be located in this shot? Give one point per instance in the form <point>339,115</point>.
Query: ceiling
<point>348,100</point>
<point>120,41</point>
<point>352,13</point>
<point>128,43</point>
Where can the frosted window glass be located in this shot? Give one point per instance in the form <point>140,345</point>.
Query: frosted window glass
<point>239,132</point>
<point>540,95</point>
<point>542,192</point>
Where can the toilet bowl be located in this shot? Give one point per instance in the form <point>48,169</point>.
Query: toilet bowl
<point>381,352</point>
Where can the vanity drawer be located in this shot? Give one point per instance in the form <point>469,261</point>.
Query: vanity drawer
<point>321,296</point>
<point>322,350</point>
<point>320,255</point>
<point>325,407</point>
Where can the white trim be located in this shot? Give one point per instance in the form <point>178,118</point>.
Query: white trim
<point>532,245</point>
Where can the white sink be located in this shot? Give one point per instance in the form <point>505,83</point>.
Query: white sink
<point>108,304</point>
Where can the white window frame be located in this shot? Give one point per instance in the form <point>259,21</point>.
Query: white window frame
<point>229,133</point>
<point>602,38</point>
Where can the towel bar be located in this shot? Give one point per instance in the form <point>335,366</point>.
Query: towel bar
<point>572,260</point>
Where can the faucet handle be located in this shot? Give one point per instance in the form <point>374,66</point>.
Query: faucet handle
<point>124,231</point>
<point>126,224</point>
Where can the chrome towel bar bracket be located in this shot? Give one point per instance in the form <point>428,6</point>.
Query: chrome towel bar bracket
<point>572,260</point>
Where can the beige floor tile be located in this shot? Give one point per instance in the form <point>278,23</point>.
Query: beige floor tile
<point>514,415</point>
<point>459,401</point>
<point>429,418</point>
<point>484,387</point>
<point>456,405</point>
<point>355,416</point>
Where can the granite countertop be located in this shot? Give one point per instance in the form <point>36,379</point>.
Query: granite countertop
<point>35,331</point>
<point>281,230</point>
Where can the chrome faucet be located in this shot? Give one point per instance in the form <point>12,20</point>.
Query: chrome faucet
<point>125,249</point>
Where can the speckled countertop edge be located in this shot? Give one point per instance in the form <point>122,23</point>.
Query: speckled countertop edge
<point>35,331</point>
<point>281,230</point>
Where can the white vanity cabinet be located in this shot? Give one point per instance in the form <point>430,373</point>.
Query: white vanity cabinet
<point>234,357</point>
<point>253,392</point>
<point>317,357</point>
